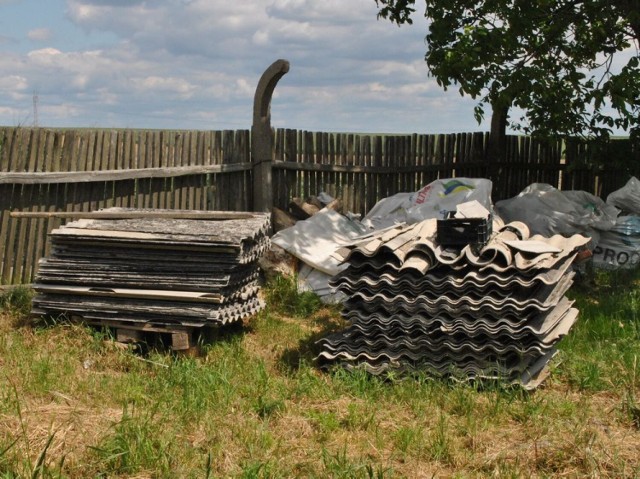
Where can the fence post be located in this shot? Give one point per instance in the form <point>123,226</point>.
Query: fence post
<point>262,136</point>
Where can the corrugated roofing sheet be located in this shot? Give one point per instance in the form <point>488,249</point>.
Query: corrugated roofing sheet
<point>166,271</point>
<point>495,312</point>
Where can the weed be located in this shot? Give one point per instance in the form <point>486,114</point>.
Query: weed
<point>259,470</point>
<point>307,382</point>
<point>630,404</point>
<point>325,423</point>
<point>283,297</point>
<point>439,442</point>
<point>377,472</point>
<point>632,408</point>
<point>266,406</point>
<point>605,340</point>
<point>505,469</point>
<point>408,438</point>
<point>462,400</point>
<point>338,465</point>
<point>192,388</point>
<point>267,394</point>
<point>359,382</point>
<point>26,467</point>
<point>40,465</point>
<point>359,417</point>
<point>136,444</point>
<point>208,467</point>
<point>17,300</point>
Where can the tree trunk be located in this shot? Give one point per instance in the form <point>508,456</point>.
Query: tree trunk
<point>497,147</point>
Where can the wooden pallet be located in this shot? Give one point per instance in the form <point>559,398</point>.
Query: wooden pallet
<point>181,338</point>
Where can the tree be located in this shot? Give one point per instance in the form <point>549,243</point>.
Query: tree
<point>554,59</point>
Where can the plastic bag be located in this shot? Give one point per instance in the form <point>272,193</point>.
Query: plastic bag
<point>549,211</point>
<point>627,198</point>
<point>432,201</point>
<point>593,211</point>
<point>619,247</point>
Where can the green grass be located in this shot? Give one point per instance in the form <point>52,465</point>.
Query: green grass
<point>602,351</point>
<point>16,300</point>
<point>75,404</point>
<point>283,297</point>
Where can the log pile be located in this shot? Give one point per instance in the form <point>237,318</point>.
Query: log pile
<point>300,210</point>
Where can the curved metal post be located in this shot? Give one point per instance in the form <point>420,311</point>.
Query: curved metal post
<point>262,136</point>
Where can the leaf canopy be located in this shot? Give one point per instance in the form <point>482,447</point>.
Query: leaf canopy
<point>572,66</point>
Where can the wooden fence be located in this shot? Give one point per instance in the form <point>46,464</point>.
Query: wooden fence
<point>44,170</point>
<point>84,170</point>
<point>362,169</point>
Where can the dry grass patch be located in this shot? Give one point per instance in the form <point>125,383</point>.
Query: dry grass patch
<point>63,430</point>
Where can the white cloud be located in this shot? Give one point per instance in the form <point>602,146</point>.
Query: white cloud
<point>163,85</point>
<point>44,55</point>
<point>40,34</point>
<point>329,11</point>
<point>7,111</point>
<point>71,73</point>
<point>15,83</point>
<point>261,37</point>
<point>193,62</point>
<point>106,96</point>
<point>244,87</point>
<point>65,110</point>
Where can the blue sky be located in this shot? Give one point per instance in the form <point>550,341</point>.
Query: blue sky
<point>194,64</point>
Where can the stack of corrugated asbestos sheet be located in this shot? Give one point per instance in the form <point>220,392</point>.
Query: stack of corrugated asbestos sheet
<point>496,312</point>
<point>161,271</point>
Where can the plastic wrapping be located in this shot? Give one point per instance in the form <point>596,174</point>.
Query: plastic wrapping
<point>627,198</point>
<point>432,201</point>
<point>549,211</point>
<point>620,246</point>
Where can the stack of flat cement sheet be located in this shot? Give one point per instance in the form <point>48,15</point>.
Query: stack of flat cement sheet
<point>497,312</point>
<point>163,271</point>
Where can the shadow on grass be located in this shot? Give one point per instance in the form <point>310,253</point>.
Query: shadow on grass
<point>323,323</point>
<point>591,281</point>
<point>200,339</point>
